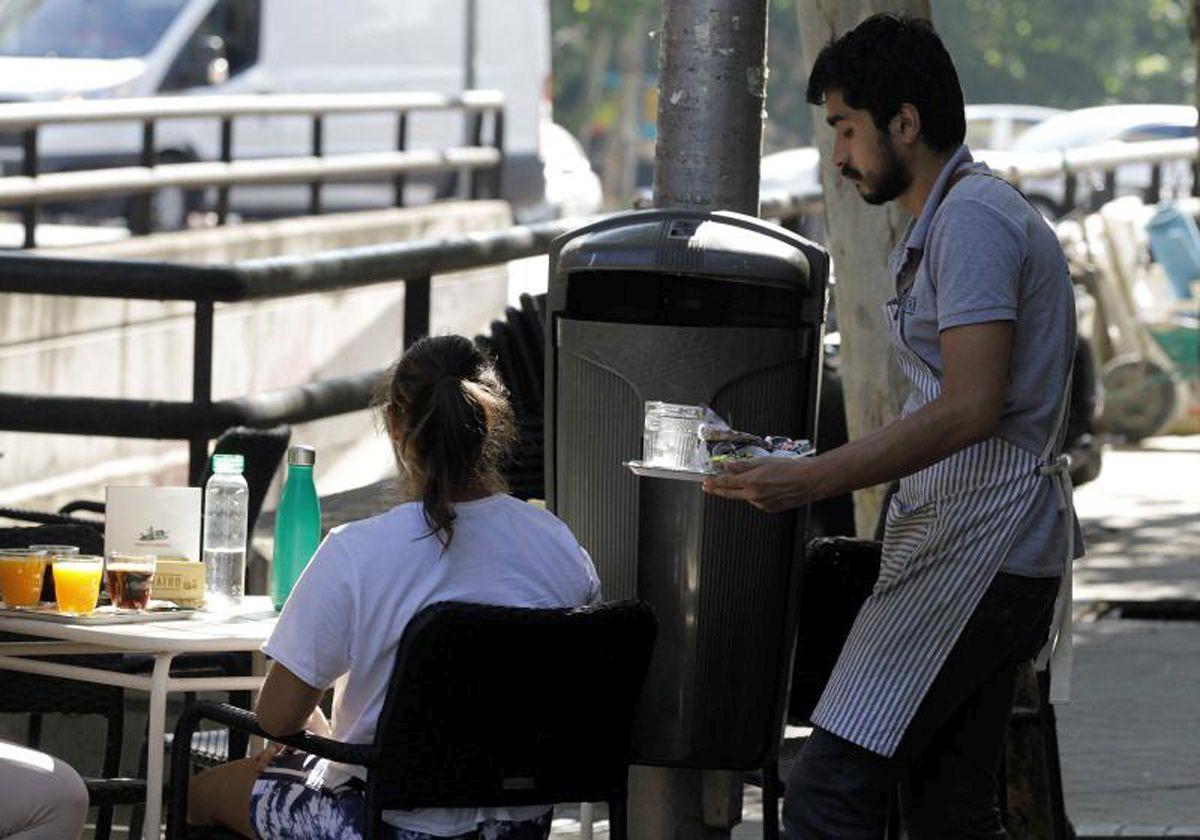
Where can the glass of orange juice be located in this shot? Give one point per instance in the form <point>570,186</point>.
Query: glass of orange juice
<point>77,583</point>
<point>21,576</point>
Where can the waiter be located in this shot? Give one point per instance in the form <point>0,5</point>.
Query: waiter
<point>979,534</point>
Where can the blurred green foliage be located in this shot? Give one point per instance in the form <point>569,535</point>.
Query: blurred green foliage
<point>1065,53</point>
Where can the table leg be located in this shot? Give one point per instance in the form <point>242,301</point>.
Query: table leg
<point>156,728</point>
<point>258,668</point>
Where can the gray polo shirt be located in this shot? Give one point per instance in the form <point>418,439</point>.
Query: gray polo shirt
<point>989,256</point>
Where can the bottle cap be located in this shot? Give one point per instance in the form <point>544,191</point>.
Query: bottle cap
<point>301,456</point>
<point>223,463</point>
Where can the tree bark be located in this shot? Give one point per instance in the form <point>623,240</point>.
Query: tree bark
<point>860,237</point>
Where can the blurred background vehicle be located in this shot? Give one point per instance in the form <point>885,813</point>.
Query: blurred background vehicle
<point>572,186</point>
<point>84,49</point>
<point>997,126</point>
<point>1101,125</point>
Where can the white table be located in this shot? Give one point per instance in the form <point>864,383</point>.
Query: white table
<point>244,628</point>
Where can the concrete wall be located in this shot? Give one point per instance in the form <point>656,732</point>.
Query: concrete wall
<point>142,349</point>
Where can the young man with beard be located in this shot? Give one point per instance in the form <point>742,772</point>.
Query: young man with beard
<point>981,532</point>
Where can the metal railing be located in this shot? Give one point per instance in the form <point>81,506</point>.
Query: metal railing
<point>414,263</point>
<point>32,187</point>
<point>201,419</point>
<point>1021,167</point>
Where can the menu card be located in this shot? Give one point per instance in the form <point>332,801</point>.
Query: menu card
<point>164,521</point>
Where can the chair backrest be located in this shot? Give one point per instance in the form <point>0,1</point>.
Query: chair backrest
<point>89,539</point>
<point>262,450</point>
<point>510,706</point>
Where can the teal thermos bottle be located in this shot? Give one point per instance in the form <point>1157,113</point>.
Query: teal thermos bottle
<point>297,524</point>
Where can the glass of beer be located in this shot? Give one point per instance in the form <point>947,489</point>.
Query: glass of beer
<point>128,578</point>
<point>21,576</point>
<point>77,583</point>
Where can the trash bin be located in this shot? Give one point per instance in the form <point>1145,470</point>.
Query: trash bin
<point>686,307</point>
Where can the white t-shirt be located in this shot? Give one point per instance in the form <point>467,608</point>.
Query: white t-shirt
<point>344,618</point>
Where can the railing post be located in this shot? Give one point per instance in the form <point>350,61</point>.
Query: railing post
<point>318,150</point>
<point>1070,192</point>
<point>498,144</point>
<point>1196,178</point>
<point>29,168</point>
<point>143,215</point>
<point>1154,191</point>
<point>226,157</point>
<point>476,140</point>
<point>202,366</point>
<point>416,309</point>
<point>401,145</point>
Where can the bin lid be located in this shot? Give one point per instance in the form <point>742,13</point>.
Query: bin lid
<point>721,245</point>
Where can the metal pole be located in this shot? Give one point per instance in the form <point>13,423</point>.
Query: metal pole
<point>29,168</point>
<point>417,293</point>
<point>712,92</point>
<point>202,367</point>
<point>226,157</point>
<point>476,139</point>
<point>401,145</point>
<point>498,143</point>
<point>143,220</point>
<point>318,150</point>
<point>470,47</point>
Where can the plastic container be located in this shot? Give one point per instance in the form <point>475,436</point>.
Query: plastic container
<point>226,511</point>
<point>1175,243</point>
<point>297,524</point>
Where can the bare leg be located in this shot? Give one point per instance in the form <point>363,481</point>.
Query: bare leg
<point>221,796</point>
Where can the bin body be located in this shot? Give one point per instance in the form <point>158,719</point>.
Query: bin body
<point>694,308</point>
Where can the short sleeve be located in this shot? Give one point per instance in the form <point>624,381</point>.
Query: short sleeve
<point>975,258</point>
<point>593,590</point>
<point>313,635</point>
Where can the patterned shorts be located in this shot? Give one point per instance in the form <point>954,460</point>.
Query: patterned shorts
<point>283,805</point>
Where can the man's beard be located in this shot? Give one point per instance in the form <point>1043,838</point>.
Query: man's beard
<point>892,181</point>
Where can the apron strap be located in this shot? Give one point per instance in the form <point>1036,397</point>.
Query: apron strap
<point>1058,652</point>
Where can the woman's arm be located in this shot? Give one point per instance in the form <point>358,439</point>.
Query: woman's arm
<point>287,703</point>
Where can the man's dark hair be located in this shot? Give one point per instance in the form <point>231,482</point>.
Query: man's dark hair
<point>888,60</point>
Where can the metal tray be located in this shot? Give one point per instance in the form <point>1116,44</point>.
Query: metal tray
<point>155,611</point>
<point>642,469</point>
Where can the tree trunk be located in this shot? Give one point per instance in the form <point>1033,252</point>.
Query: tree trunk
<point>860,237</point>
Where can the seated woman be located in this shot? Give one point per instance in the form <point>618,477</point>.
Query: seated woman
<point>41,798</point>
<point>460,538</point>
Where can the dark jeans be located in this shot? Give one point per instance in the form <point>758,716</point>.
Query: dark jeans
<point>947,762</point>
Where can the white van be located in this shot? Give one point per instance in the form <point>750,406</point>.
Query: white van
<point>68,49</point>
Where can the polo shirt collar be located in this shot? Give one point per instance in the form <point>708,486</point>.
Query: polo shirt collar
<point>919,232</point>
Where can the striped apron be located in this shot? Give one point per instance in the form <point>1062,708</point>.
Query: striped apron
<point>948,530</point>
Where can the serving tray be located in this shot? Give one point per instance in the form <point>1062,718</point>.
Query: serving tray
<point>155,611</point>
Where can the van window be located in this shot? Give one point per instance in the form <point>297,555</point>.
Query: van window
<point>229,34</point>
<point>84,28</point>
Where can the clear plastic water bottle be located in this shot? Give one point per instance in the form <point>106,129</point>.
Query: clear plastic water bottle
<point>226,505</point>
<point>297,524</point>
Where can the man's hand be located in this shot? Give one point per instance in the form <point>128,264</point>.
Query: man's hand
<point>770,484</point>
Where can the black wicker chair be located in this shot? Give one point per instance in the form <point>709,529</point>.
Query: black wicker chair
<point>36,695</point>
<point>477,713</point>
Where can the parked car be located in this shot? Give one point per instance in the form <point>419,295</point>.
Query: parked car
<point>1107,124</point>
<point>93,49</point>
<point>572,187</point>
<point>998,126</point>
